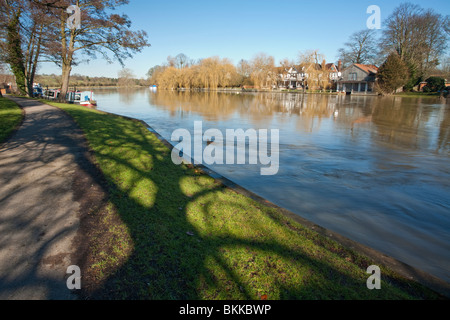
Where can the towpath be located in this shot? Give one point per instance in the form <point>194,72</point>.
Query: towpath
<point>47,184</point>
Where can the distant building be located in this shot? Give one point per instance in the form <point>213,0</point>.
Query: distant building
<point>334,73</point>
<point>290,78</point>
<point>296,77</point>
<point>424,83</point>
<point>358,78</point>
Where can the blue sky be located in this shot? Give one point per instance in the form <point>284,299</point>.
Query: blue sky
<point>240,29</point>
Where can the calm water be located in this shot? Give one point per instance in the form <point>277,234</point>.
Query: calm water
<point>375,170</point>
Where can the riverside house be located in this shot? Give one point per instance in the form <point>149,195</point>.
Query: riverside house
<point>358,78</point>
<point>296,77</point>
<point>290,78</point>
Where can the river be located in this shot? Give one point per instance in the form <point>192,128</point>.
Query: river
<point>374,169</point>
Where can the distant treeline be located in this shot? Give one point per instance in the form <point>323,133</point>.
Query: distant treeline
<point>77,80</point>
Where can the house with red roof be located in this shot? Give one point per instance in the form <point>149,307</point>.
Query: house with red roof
<point>358,78</point>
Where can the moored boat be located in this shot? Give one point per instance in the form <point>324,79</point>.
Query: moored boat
<point>83,98</point>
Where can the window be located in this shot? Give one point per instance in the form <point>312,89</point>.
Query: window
<point>352,76</point>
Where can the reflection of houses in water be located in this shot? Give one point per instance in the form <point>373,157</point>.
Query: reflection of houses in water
<point>385,119</point>
<point>314,105</point>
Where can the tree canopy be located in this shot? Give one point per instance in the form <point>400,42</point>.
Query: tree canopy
<point>102,32</point>
<point>392,74</point>
<point>360,48</point>
<point>419,38</point>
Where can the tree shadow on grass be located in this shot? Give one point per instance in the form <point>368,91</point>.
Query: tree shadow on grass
<point>187,237</point>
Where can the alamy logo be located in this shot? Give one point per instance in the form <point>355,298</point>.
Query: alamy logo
<point>74,21</point>
<point>374,21</point>
<point>74,281</point>
<point>374,281</point>
<point>213,153</point>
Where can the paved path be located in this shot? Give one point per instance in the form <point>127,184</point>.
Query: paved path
<point>39,205</point>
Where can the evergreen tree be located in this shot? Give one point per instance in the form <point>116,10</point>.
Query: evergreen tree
<point>434,84</point>
<point>392,75</point>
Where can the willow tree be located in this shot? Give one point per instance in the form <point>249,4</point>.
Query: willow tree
<point>262,70</point>
<point>101,32</point>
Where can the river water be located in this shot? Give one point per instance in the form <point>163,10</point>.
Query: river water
<point>376,170</point>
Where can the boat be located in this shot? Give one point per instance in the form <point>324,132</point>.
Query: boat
<point>51,94</point>
<point>83,98</point>
<point>87,99</point>
<point>88,103</point>
<point>38,91</point>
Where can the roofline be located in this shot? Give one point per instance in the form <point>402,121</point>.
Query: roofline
<point>357,65</point>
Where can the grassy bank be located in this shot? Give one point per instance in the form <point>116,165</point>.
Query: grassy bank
<point>171,232</point>
<point>10,117</point>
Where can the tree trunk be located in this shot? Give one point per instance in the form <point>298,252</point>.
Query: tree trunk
<point>66,69</point>
<point>35,59</point>
<point>67,59</point>
<point>14,53</point>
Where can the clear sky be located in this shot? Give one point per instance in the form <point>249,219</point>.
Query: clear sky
<point>238,29</point>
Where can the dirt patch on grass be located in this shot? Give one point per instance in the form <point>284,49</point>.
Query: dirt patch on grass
<point>97,218</point>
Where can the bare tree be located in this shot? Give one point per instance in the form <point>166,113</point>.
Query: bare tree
<point>22,39</point>
<point>313,64</point>
<point>361,48</point>
<point>171,61</point>
<point>263,68</point>
<point>286,63</point>
<point>244,70</point>
<point>126,78</point>
<point>181,60</point>
<point>101,32</point>
<point>418,36</point>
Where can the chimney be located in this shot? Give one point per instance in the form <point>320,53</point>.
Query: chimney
<point>340,65</point>
<point>324,63</point>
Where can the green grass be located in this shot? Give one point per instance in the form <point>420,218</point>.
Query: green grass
<point>10,117</point>
<point>171,232</point>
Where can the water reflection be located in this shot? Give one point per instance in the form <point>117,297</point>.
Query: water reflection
<point>374,169</point>
<point>401,122</point>
<point>127,96</point>
<point>444,132</point>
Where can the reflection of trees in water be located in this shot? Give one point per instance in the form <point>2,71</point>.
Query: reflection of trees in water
<point>395,120</point>
<point>399,122</point>
<point>211,105</point>
<point>259,108</point>
<point>127,95</point>
<point>444,131</point>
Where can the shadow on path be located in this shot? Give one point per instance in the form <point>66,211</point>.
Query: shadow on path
<point>43,167</point>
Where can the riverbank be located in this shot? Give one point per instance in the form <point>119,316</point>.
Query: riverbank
<point>10,118</point>
<point>172,232</point>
